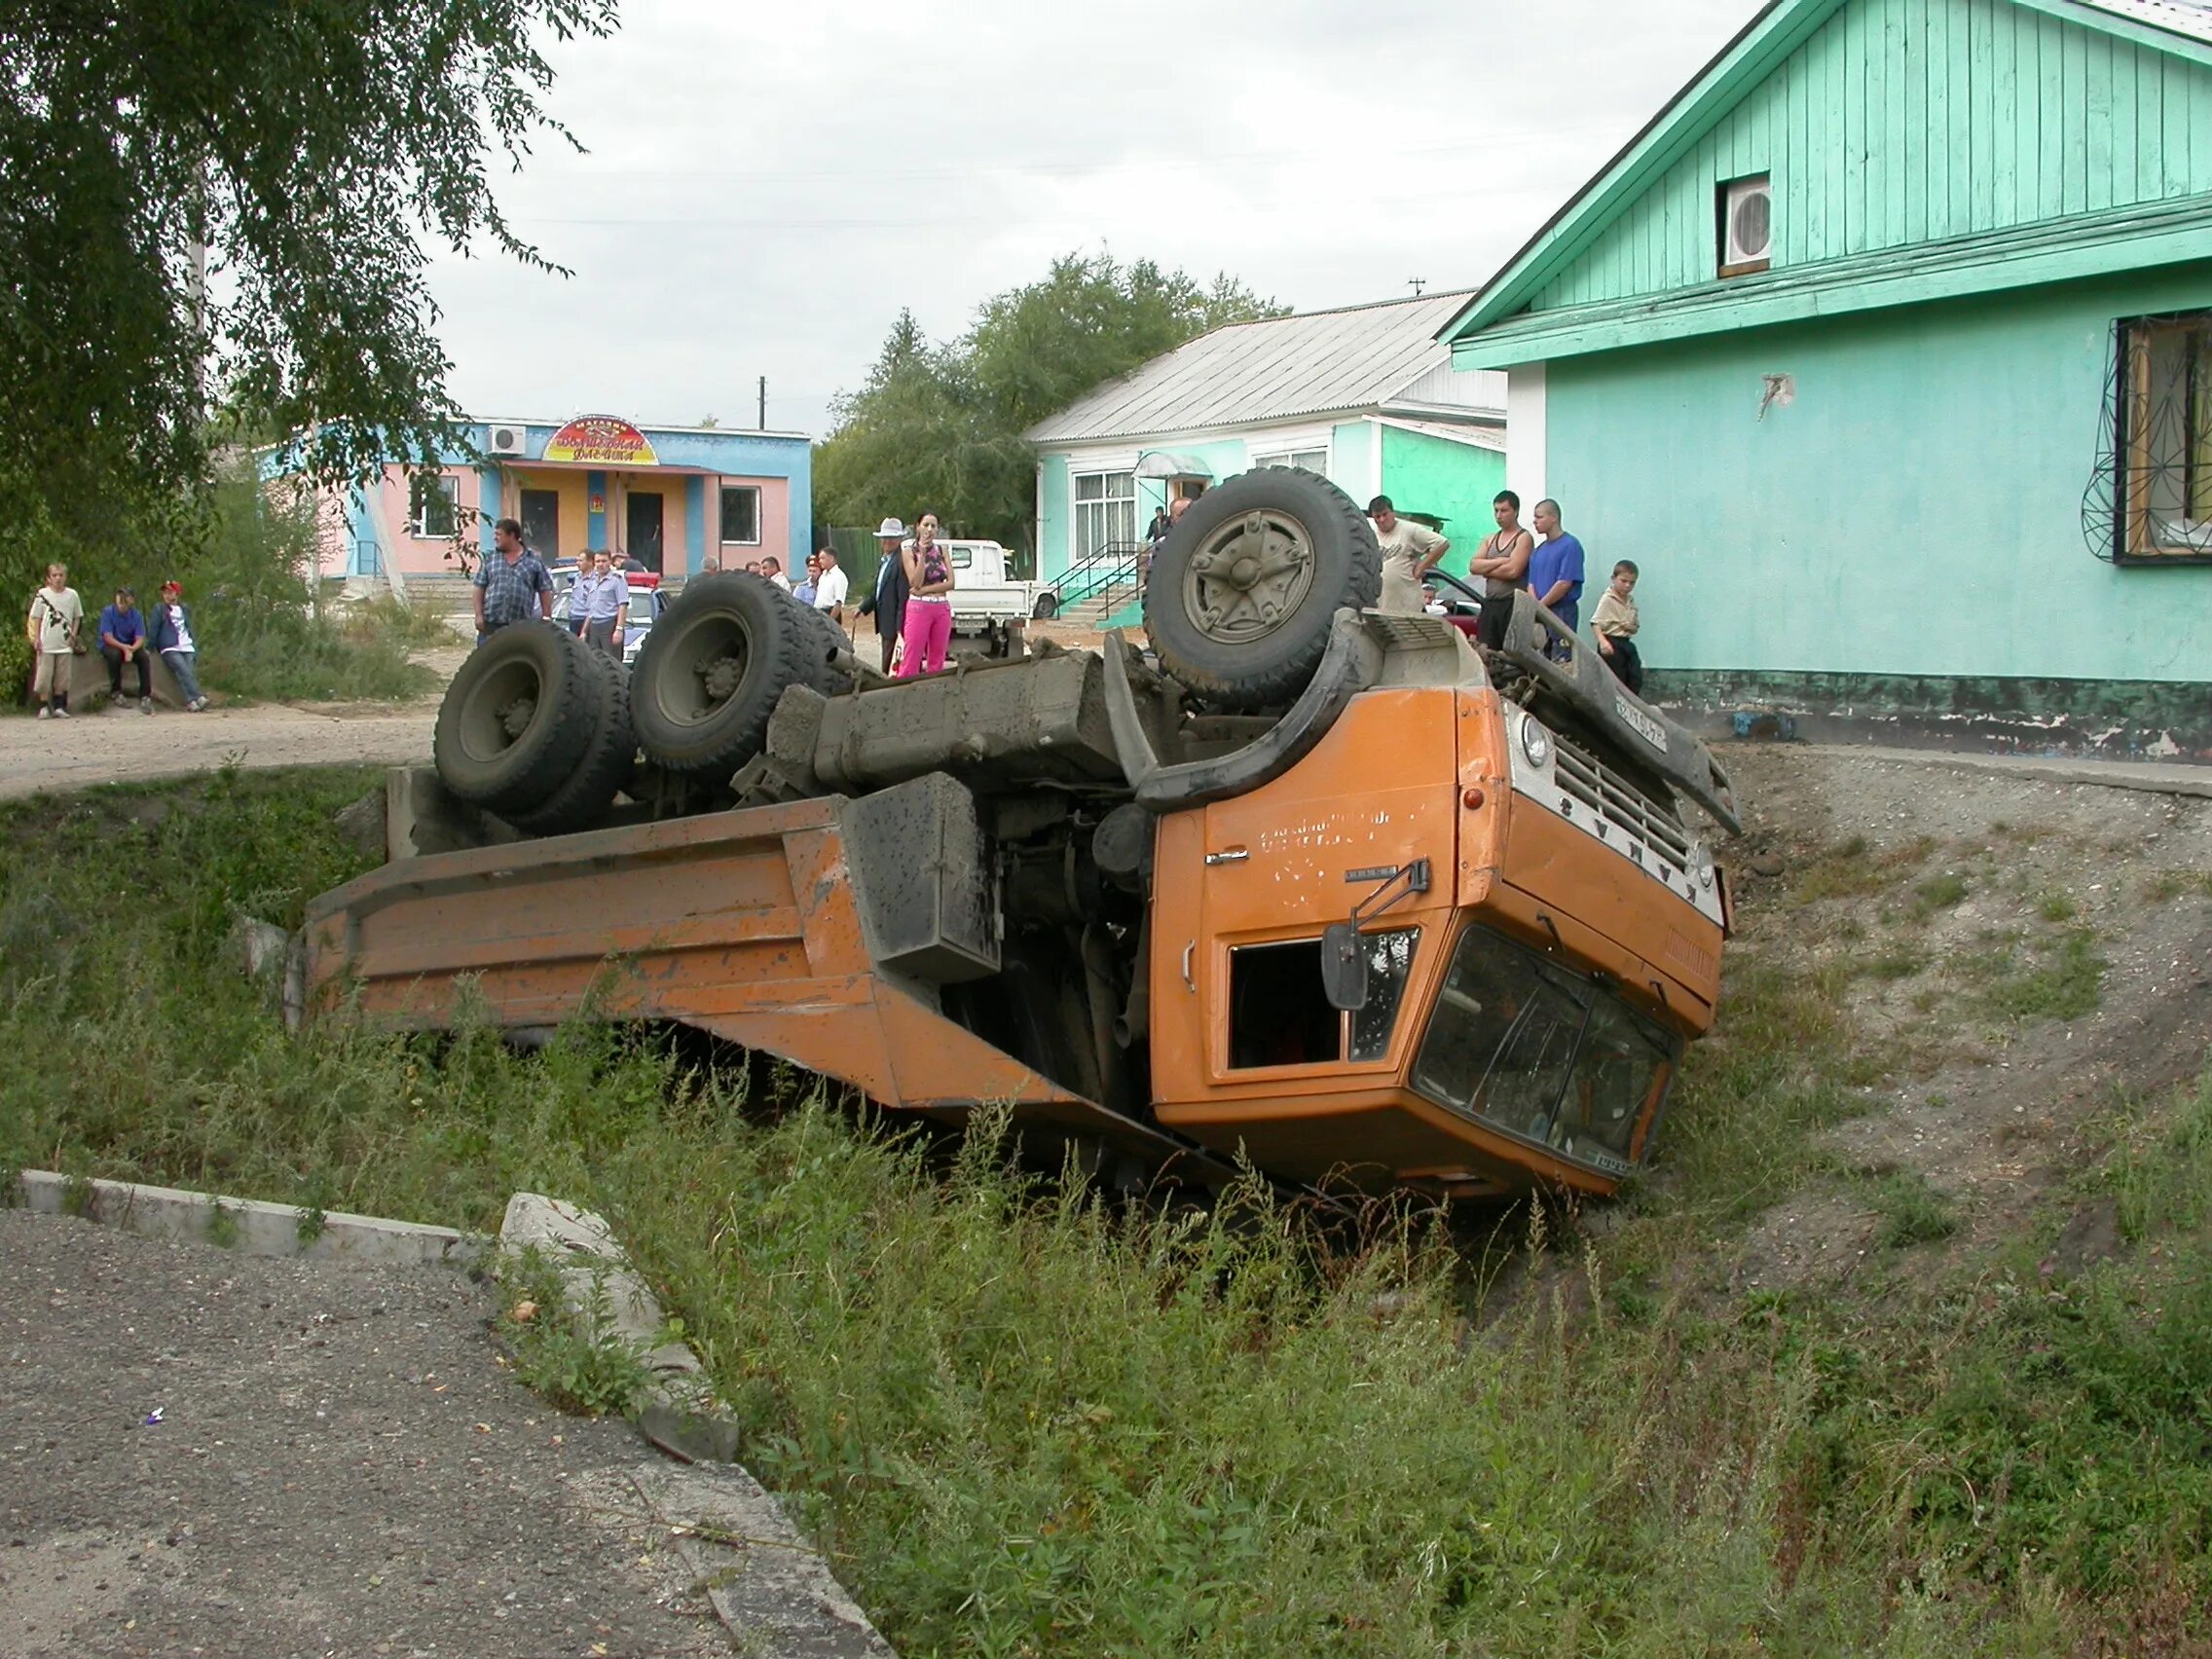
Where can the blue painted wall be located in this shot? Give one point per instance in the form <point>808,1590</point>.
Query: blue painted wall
<point>1916,509</point>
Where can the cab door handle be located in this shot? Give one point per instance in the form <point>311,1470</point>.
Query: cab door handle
<point>1234,854</point>
<point>1190,950</point>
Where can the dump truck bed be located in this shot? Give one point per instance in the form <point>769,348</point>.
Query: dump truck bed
<point>792,929</point>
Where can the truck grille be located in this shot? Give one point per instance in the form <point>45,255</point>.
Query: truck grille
<point>1620,803</point>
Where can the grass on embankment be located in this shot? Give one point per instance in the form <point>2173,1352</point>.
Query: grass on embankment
<point>1024,1426</point>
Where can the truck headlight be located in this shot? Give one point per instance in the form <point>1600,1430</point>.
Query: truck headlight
<point>1536,741</point>
<point>1701,861</point>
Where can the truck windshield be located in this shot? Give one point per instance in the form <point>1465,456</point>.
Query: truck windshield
<point>1540,1052</point>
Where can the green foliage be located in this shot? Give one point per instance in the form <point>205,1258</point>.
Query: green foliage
<point>572,1354</point>
<point>260,622</point>
<point>1029,1423</point>
<point>316,151</point>
<point>939,428</point>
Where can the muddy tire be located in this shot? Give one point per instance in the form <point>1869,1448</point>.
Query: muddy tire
<point>1047,607</point>
<point>1241,595</point>
<point>709,674</point>
<point>609,753</point>
<point>515,717</point>
<point>826,643</point>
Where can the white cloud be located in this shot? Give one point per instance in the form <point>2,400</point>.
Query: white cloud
<point>767,186</point>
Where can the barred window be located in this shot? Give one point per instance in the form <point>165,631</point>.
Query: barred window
<point>2163,501</point>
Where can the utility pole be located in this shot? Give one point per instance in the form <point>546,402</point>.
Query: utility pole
<point>764,403</point>
<point>1417,285</point>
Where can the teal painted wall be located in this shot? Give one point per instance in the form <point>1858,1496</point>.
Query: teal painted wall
<point>1053,515</point>
<point>1904,122</point>
<point>1352,460</point>
<point>1421,474</point>
<point>1916,508</point>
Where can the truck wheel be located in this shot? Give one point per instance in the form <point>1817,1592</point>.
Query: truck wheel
<point>514,716</point>
<point>825,640</point>
<point>1241,595</point>
<point>709,674</point>
<point>609,753</point>
<point>1047,607</point>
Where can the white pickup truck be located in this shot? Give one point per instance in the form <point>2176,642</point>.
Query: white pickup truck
<point>988,602</point>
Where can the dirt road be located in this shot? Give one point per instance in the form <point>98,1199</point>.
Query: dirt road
<point>124,746</point>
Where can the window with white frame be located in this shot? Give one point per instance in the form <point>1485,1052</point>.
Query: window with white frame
<point>741,513</point>
<point>432,509</point>
<point>1105,512</point>
<point>1311,459</point>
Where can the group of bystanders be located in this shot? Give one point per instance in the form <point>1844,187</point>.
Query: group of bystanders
<point>129,639</point>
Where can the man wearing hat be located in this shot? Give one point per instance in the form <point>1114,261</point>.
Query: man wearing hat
<point>172,636</point>
<point>123,640</point>
<point>888,604</point>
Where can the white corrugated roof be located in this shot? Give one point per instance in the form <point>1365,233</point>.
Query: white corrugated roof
<point>2189,18</point>
<point>1309,363</point>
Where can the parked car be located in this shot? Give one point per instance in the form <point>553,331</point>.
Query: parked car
<point>646,602</point>
<point>989,602</point>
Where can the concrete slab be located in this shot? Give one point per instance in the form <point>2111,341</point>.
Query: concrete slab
<point>247,1227</point>
<point>208,1452</point>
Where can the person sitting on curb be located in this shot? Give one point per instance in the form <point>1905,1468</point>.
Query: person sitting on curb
<point>172,637</point>
<point>123,641</point>
<point>57,617</point>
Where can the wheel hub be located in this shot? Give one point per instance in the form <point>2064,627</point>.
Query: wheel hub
<point>721,677</point>
<point>515,718</point>
<point>1249,577</point>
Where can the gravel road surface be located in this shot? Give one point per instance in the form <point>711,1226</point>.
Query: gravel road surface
<point>340,1469</point>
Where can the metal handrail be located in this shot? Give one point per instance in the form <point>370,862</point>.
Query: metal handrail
<point>1113,565</point>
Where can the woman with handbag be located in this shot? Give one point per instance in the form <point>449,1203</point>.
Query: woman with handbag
<point>57,617</point>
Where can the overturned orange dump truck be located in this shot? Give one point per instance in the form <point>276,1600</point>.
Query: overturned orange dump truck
<point>1337,891</point>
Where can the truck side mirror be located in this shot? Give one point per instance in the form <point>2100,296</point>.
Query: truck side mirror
<point>1343,967</point>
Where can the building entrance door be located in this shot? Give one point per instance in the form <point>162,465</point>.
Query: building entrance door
<point>542,523</point>
<point>644,517</point>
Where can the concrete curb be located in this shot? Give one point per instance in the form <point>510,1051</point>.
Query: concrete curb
<point>771,1587</point>
<point>2150,777</point>
<point>248,1226</point>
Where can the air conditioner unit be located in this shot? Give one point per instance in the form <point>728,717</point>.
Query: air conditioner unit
<point>507,439</point>
<point>1747,222</point>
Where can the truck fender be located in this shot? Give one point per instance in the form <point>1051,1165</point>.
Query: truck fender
<point>1351,663</point>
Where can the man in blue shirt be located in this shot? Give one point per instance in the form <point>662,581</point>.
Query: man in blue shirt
<point>123,640</point>
<point>598,603</point>
<point>1555,568</point>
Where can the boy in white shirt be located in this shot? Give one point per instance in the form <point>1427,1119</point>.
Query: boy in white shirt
<point>1615,622</point>
<point>57,617</point>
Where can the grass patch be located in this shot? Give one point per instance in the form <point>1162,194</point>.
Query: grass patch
<point>1854,869</point>
<point>1028,1422</point>
<point>1911,1211</point>
<point>1938,893</point>
<point>2172,884</point>
<point>2063,981</point>
<point>2058,907</point>
<point>567,1349</point>
<point>1901,962</point>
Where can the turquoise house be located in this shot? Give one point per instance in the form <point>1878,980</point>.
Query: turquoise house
<point>1886,350</point>
<point>1365,395</point>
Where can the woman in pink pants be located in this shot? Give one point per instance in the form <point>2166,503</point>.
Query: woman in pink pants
<point>927,633</point>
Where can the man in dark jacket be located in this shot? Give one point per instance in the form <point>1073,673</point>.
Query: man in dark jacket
<point>172,636</point>
<point>888,604</point>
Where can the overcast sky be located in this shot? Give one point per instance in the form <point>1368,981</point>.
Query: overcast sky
<point>768,184</point>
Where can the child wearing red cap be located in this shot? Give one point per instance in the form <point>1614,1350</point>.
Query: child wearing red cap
<point>172,637</point>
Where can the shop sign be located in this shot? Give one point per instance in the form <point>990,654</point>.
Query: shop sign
<point>601,440</point>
